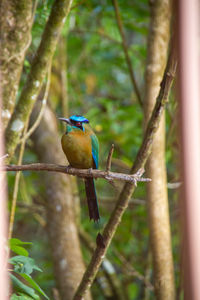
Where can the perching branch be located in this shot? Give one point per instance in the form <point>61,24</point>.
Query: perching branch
<point>129,188</point>
<point>77,172</point>
<point>125,48</point>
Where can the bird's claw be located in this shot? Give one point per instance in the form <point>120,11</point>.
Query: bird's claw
<point>90,171</point>
<point>68,168</point>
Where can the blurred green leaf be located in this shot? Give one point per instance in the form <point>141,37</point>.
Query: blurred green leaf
<point>19,250</point>
<point>16,242</point>
<point>21,296</point>
<point>23,264</point>
<point>23,288</point>
<point>34,284</point>
<point>15,246</point>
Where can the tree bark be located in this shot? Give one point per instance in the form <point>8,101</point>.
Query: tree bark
<point>15,24</point>
<point>156,169</point>
<point>31,89</point>
<point>61,225</point>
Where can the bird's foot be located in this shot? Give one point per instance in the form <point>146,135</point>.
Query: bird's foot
<point>68,168</point>
<point>90,170</point>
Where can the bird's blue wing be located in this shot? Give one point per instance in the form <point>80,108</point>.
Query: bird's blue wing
<point>95,150</point>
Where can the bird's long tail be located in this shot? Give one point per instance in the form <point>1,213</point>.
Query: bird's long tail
<point>92,199</point>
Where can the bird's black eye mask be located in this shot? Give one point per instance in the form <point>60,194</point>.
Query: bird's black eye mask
<point>77,121</point>
<point>77,124</point>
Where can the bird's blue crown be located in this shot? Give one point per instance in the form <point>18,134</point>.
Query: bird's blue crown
<point>78,118</point>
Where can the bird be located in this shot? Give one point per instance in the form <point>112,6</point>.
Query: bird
<point>81,147</point>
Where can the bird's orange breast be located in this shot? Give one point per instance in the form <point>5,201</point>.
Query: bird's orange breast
<point>77,147</point>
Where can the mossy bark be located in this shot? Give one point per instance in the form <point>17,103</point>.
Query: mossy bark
<point>37,73</point>
<point>15,35</point>
<point>61,224</point>
<point>156,169</point>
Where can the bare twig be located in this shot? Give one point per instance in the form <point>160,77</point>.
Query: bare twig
<point>99,32</point>
<point>77,4</point>
<point>44,102</point>
<point>16,185</point>
<point>133,178</point>
<point>23,142</point>
<point>174,185</point>
<point>125,48</point>
<point>34,9</point>
<point>31,208</point>
<point>109,159</point>
<point>129,188</point>
<point>63,74</point>
<point>131,271</point>
<point>111,201</point>
<point>4,156</point>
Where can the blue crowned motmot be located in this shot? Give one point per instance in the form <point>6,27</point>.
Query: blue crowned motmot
<point>81,147</point>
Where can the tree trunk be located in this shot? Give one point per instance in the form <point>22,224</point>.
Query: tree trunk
<point>43,56</point>
<point>15,35</point>
<point>156,169</point>
<point>61,225</point>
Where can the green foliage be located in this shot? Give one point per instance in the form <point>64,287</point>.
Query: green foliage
<point>20,297</point>
<point>23,288</point>
<point>23,267</point>
<point>16,246</point>
<point>23,264</point>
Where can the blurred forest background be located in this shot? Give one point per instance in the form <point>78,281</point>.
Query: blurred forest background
<point>108,63</point>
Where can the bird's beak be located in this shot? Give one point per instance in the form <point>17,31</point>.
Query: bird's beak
<point>65,120</point>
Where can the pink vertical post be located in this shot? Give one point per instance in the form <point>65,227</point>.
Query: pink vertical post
<point>189,78</point>
<point>4,286</point>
